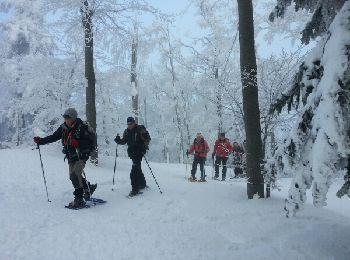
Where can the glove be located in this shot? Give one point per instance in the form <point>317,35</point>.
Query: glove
<point>74,143</point>
<point>37,139</point>
<point>117,139</point>
<point>213,155</point>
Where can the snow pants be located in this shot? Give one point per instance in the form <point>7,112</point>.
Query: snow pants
<point>201,162</point>
<point>76,176</point>
<point>137,178</point>
<point>218,161</point>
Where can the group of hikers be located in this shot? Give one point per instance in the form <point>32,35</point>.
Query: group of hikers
<point>79,141</point>
<point>222,150</point>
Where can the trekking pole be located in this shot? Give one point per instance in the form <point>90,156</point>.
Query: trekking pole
<point>186,162</point>
<point>115,164</point>
<point>42,167</point>
<point>152,174</point>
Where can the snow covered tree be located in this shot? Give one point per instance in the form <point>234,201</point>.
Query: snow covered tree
<point>255,183</point>
<point>318,147</point>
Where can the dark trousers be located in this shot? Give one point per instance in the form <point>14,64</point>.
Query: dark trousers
<point>218,161</point>
<point>201,162</point>
<point>238,171</point>
<point>137,178</point>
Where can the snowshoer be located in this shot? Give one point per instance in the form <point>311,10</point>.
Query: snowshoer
<point>78,140</point>
<point>137,138</point>
<point>200,148</point>
<point>222,149</point>
<point>238,159</point>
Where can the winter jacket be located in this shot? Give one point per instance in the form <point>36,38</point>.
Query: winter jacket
<point>222,148</point>
<point>80,132</point>
<point>200,148</point>
<point>137,140</point>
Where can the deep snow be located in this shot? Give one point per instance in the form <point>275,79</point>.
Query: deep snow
<point>211,220</point>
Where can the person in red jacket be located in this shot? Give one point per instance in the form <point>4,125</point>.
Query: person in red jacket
<point>222,149</point>
<point>200,148</point>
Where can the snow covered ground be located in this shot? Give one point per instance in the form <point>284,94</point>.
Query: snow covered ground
<point>211,220</point>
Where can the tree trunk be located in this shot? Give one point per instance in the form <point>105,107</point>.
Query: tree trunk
<point>255,184</point>
<point>134,91</point>
<point>89,71</point>
<point>218,100</point>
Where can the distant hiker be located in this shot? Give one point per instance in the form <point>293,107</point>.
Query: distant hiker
<point>137,138</point>
<point>222,149</point>
<point>237,159</point>
<point>78,140</point>
<point>200,148</point>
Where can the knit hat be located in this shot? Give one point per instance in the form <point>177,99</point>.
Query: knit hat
<point>130,119</point>
<point>199,135</point>
<point>70,113</point>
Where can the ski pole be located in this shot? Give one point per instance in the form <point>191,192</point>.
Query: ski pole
<point>152,174</point>
<point>186,161</point>
<point>42,167</point>
<point>115,164</point>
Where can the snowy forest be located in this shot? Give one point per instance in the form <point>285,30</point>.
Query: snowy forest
<point>272,76</point>
<point>282,83</point>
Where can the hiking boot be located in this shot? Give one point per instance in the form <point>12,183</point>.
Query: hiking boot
<point>133,193</point>
<point>202,180</point>
<point>223,179</point>
<point>77,203</point>
<point>92,188</point>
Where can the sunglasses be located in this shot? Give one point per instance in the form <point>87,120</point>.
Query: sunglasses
<point>130,123</point>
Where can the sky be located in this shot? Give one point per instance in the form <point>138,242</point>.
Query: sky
<point>186,24</point>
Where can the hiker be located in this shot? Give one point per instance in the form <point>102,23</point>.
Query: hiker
<point>222,149</point>
<point>78,140</point>
<point>137,138</point>
<point>200,148</point>
<point>237,159</point>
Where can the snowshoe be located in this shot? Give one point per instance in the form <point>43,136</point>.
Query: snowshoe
<point>134,193</point>
<point>192,179</point>
<point>77,203</point>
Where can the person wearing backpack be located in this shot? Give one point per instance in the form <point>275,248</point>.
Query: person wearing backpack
<point>222,149</point>
<point>137,138</point>
<point>78,140</point>
<point>200,149</point>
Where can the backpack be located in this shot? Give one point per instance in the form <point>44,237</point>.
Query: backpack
<point>144,135</point>
<point>91,136</point>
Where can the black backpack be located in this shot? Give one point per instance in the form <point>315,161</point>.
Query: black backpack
<point>91,136</point>
<point>144,135</point>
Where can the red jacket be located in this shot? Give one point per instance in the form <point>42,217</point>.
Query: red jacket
<point>200,148</point>
<point>222,148</point>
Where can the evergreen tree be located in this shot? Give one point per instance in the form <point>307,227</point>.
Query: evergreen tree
<point>319,145</point>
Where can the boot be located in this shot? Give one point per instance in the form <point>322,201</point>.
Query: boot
<point>92,188</point>
<point>133,193</point>
<point>77,203</point>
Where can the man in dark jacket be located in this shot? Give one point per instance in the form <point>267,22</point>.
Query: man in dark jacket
<point>137,138</point>
<point>77,141</point>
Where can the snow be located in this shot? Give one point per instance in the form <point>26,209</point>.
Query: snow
<point>211,220</point>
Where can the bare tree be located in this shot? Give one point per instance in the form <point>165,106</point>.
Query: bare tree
<point>89,70</point>
<point>255,184</point>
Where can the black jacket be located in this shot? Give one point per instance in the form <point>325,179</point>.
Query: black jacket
<point>137,140</point>
<point>79,131</point>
